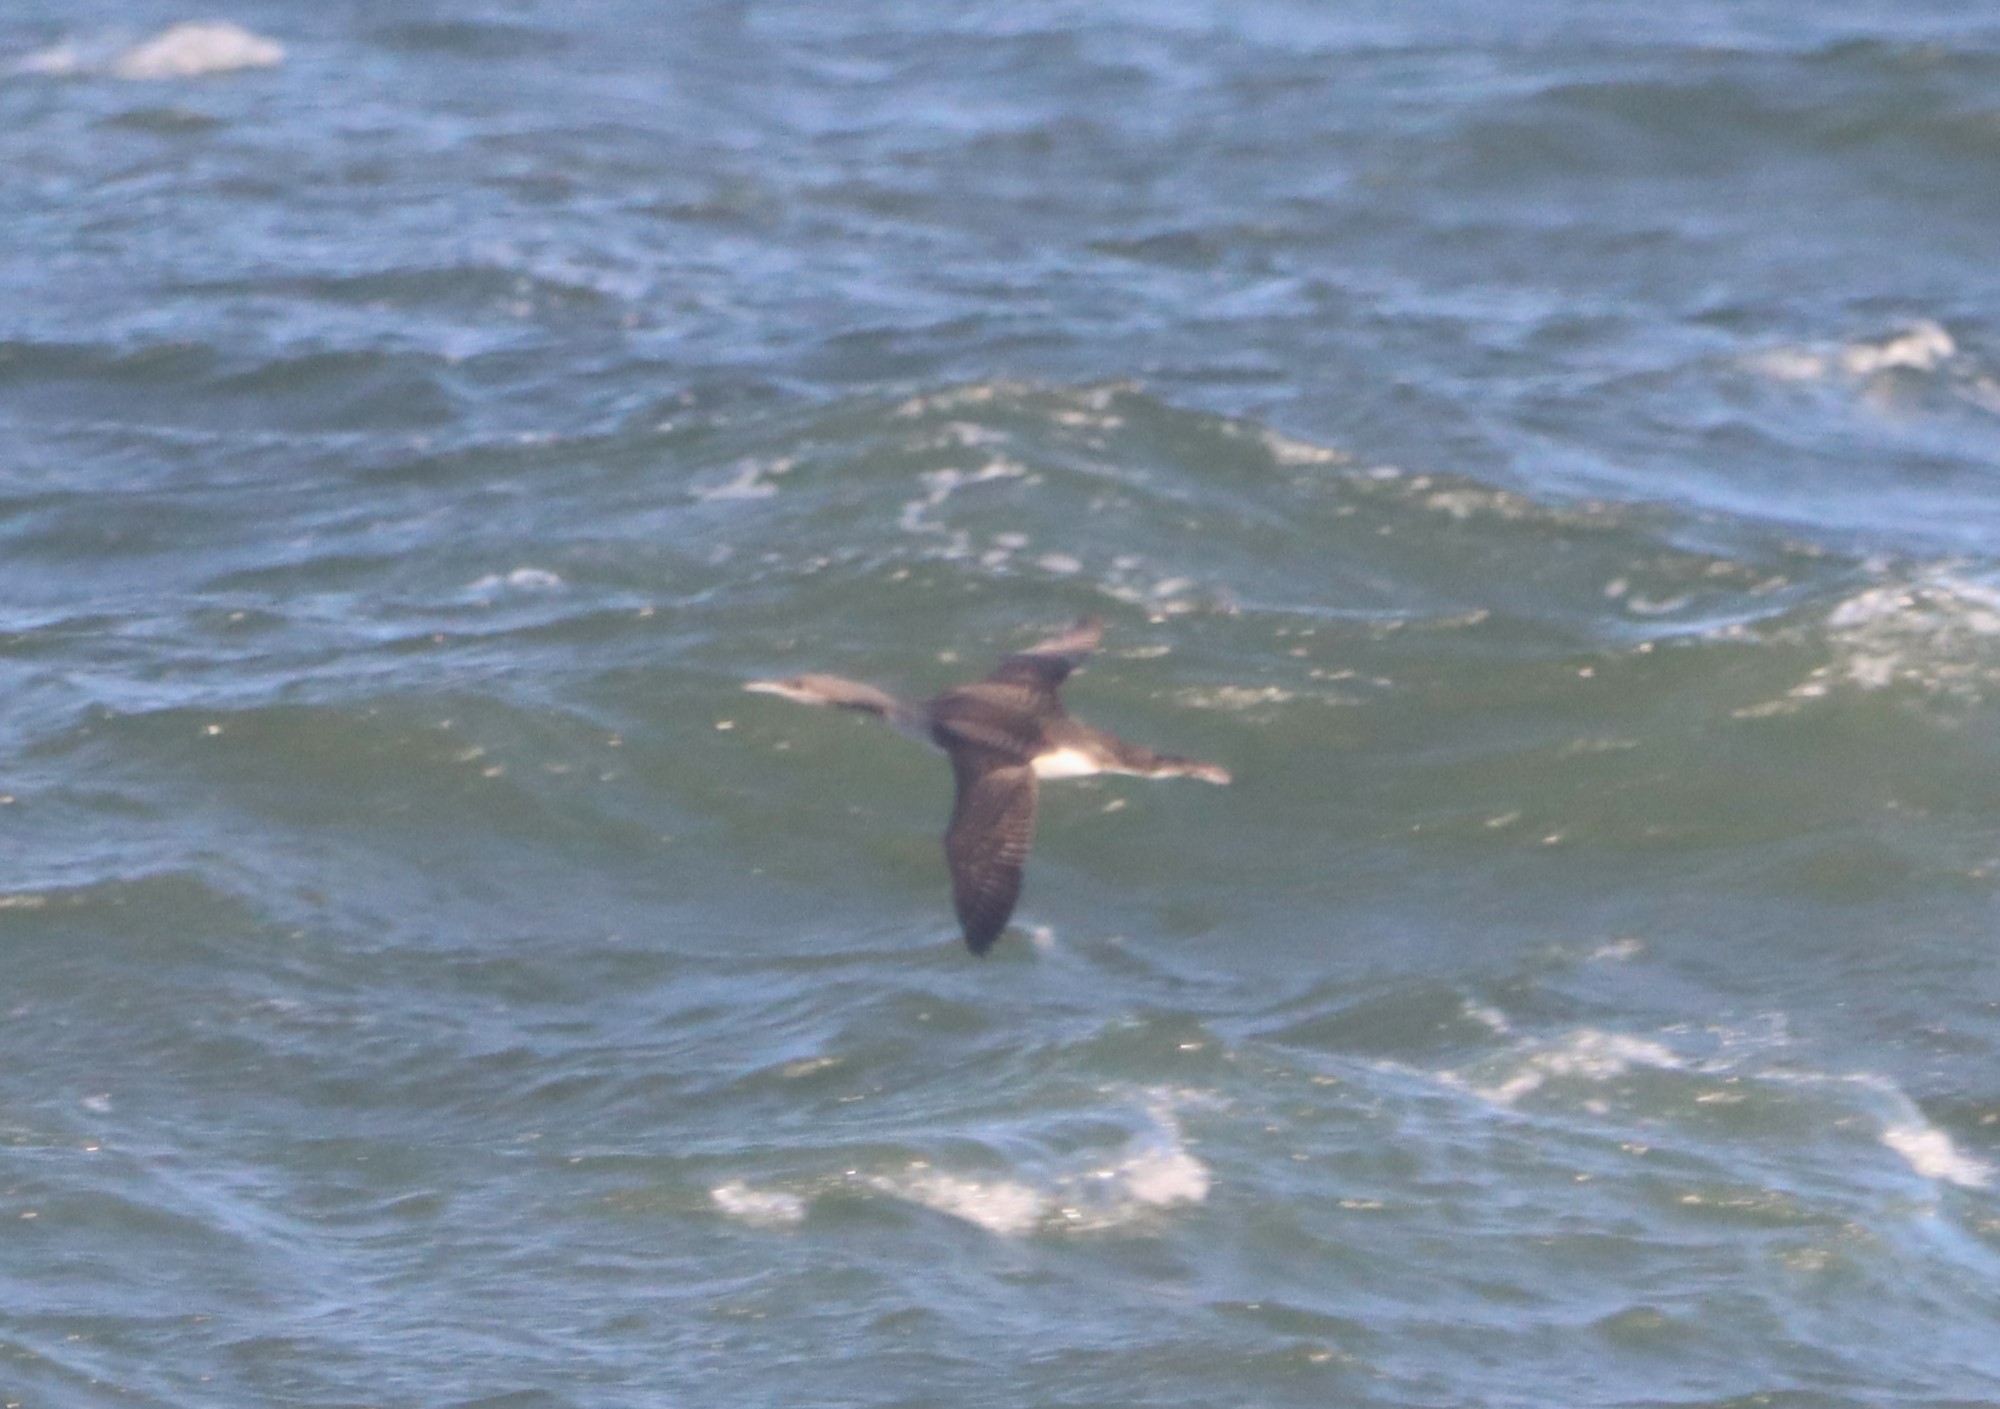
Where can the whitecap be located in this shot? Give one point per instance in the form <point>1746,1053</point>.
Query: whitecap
<point>1286,450</point>
<point>941,485</point>
<point>1789,364</point>
<point>1938,633</point>
<point>751,481</point>
<point>1464,502</point>
<point>760,1208</point>
<point>519,580</point>
<point>1157,1176</point>
<point>1923,345</point>
<point>1587,1054</point>
<point>198,48</point>
<point>1007,1207</point>
<point>190,50</point>
<point>1152,1171</point>
<point>1932,1153</point>
<point>57,61</point>
<point>1235,698</point>
<point>1618,950</point>
<point>1929,1151</point>
<point>1590,1055</point>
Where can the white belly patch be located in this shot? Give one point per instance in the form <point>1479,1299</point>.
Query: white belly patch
<point>1066,763</point>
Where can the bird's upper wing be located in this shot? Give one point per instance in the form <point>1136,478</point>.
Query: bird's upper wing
<point>992,826</point>
<point>1046,664</point>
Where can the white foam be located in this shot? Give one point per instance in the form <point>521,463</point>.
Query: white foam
<point>760,1208</point>
<point>1929,1151</point>
<point>519,580</point>
<point>751,481</point>
<point>1618,951</point>
<point>1470,501</point>
<point>940,485</point>
<point>1235,698</point>
<point>1159,1178</point>
<point>1886,603</point>
<point>972,394</point>
<point>1288,451</point>
<point>1586,1054</point>
<point>1939,633</point>
<point>191,50</point>
<point>1922,346</point>
<point>1789,364</point>
<point>1932,1153</point>
<point>1591,1055</point>
<point>57,61</point>
<point>1003,1206</point>
<point>1154,1170</point>
<point>198,48</point>
<point>967,435</point>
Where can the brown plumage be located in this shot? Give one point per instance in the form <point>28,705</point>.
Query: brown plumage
<point>1003,734</point>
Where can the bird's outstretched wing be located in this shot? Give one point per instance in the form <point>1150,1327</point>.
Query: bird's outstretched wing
<point>992,827</point>
<point>1046,664</point>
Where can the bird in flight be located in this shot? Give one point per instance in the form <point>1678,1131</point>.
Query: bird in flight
<point>1003,734</point>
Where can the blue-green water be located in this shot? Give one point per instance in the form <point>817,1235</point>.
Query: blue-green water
<point>1550,453</point>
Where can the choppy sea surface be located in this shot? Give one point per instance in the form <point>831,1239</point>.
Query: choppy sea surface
<point>1550,452</point>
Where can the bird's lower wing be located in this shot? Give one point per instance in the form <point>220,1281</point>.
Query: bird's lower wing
<point>992,827</point>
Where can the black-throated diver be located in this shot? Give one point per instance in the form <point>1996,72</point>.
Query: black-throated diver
<point>1003,733</point>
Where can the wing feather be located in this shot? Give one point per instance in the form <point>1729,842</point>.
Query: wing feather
<point>992,827</point>
<point>1046,664</point>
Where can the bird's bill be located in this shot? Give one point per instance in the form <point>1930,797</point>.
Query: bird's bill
<point>784,689</point>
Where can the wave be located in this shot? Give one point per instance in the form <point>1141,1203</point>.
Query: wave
<point>1932,631</point>
<point>196,49</point>
<point>1923,350</point>
<point>1588,1070</point>
<point>1152,1171</point>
